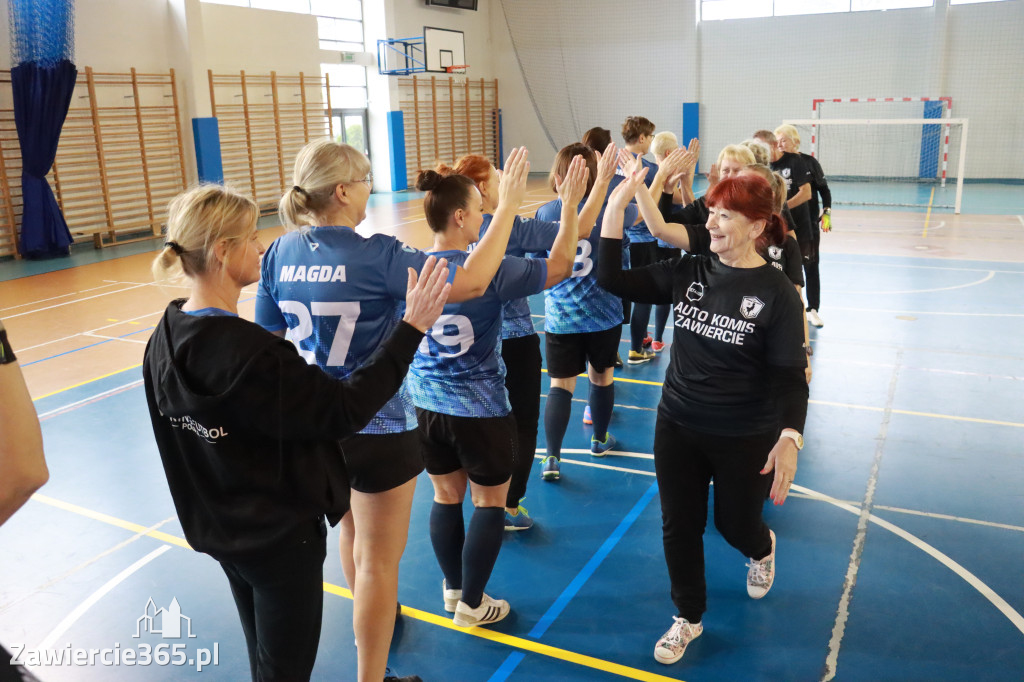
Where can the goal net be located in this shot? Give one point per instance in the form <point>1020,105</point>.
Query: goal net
<point>912,162</point>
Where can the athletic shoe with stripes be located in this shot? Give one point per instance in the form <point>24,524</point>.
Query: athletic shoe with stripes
<point>550,472</point>
<point>657,346</point>
<point>761,573</point>
<point>646,343</point>
<point>490,611</point>
<point>672,645</point>
<point>639,358</point>
<point>587,419</point>
<point>598,448</point>
<point>451,597</point>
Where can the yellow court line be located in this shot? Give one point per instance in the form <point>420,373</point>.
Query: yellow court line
<point>928,214</point>
<point>87,381</point>
<point>111,520</point>
<point>425,616</point>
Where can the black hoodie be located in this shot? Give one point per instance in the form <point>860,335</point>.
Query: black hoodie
<point>248,431</point>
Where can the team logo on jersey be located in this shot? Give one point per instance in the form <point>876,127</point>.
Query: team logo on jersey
<point>695,292</point>
<point>786,172</point>
<point>313,246</point>
<point>775,252</point>
<point>750,306</point>
<point>408,249</point>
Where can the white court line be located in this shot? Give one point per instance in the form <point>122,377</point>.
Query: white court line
<point>936,370</point>
<point>79,300</point>
<point>924,312</point>
<point>98,396</point>
<point>54,298</point>
<point>984,279</point>
<point>88,562</point>
<point>80,610</point>
<point>1011,614</point>
<point>859,264</point>
<point>114,338</point>
<point>90,331</point>
<point>617,453</point>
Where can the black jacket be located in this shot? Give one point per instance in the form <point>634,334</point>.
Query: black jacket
<point>248,431</point>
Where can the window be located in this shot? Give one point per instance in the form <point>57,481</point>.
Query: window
<point>712,10</point>
<point>971,2</point>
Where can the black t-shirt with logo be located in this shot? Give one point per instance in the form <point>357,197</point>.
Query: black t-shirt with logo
<point>730,327</point>
<point>796,172</point>
<point>786,258</point>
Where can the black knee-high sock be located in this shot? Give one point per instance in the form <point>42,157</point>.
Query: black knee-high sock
<point>556,419</point>
<point>483,542</point>
<point>660,320</point>
<point>638,325</point>
<point>601,399</point>
<point>448,535</point>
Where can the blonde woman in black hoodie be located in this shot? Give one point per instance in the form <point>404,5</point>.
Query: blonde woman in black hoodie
<point>247,430</point>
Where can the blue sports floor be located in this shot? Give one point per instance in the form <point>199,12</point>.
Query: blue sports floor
<point>899,555</point>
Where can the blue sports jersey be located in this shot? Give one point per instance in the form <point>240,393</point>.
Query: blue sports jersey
<point>661,242</point>
<point>458,368</point>
<point>637,233</point>
<point>577,304</point>
<point>339,295</point>
<point>528,235</point>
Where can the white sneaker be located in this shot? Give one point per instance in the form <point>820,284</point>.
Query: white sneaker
<point>814,318</point>
<point>451,597</point>
<point>490,611</point>
<point>672,645</point>
<point>762,573</point>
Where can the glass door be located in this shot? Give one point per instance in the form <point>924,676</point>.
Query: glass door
<point>350,128</point>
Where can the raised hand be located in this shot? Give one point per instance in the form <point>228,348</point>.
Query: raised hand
<point>624,158</point>
<point>627,189</point>
<point>606,164</point>
<point>512,187</point>
<point>572,188</point>
<point>426,295</point>
<point>713,176</point>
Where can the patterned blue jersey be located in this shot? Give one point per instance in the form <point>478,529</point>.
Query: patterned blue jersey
<point>458,368</point>
<point>637,233</point>
<point>339,295</point>
<point>529,235</point>
<point>577,304</point>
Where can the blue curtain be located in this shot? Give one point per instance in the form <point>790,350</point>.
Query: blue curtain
<point>42,95</point>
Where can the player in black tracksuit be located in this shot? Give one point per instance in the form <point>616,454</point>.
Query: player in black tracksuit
<point>248,431</point>
<point>735,376</point>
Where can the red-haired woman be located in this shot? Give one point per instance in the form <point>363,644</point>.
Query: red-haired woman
<point>520,344</point>
<point>735,376</point>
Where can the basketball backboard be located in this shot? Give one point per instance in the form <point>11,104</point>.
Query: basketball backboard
<point>443,47</point>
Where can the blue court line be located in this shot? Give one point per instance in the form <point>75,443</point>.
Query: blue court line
<point>91,345</point>
<point>510,663</point>
<point>100,343</point>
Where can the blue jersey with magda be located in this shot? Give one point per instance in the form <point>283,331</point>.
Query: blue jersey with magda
<point>638,233</point>
<point>528,235</point>
<point>578,304</point>
<point>339,295</point>
<point>458,368</point>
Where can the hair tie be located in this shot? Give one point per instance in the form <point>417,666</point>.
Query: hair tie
<point>175,247</point>
<point>300,190</point>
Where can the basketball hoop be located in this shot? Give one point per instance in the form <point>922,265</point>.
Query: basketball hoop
<point>458,73</point>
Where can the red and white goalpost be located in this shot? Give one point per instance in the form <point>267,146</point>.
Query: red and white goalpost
<point>947,112</point>
<point>894,142</point>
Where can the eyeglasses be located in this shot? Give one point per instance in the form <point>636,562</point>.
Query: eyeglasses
<point>368,179</point>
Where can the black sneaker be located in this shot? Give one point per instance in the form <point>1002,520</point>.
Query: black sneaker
<point>618,361</point>
<point>389,676</point>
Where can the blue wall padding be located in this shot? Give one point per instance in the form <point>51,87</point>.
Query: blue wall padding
<point>207,138</point>
<point>691,124</point>
<point>396,149</point>
<point>931,142</point>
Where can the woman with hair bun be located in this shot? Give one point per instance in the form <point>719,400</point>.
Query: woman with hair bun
<point>337,295</point>
<point>735,377</point>
<point>520,343</point>
<point>457,381</point>
<point>249,432</point>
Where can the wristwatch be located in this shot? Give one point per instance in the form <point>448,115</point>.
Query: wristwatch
<point>6,352</point>
<point>795,436</point>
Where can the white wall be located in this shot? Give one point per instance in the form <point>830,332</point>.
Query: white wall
<point>260,41</point>
<point>591,63</point>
